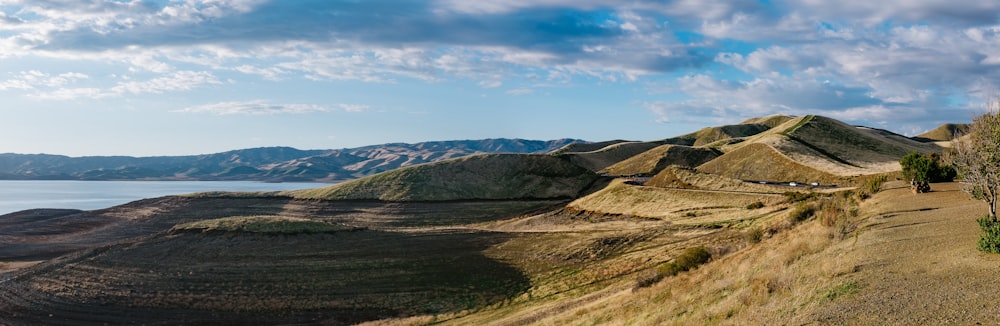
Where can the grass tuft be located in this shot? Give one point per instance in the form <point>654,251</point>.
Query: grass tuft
<point>846,288</point>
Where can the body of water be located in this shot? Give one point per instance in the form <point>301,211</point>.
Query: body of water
<point>20,195</point>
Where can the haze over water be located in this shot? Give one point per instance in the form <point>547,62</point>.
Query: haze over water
<point>17,195</point>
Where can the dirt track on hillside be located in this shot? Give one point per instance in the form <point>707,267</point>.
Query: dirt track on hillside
<point>918,265</point>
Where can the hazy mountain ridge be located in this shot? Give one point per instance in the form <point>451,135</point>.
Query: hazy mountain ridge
<point>263,164</point>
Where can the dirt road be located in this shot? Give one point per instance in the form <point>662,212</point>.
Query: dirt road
<point>918,264</point>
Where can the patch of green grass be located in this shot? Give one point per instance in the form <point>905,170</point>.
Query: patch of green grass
<point>839,290</point>
<point>261,224</point>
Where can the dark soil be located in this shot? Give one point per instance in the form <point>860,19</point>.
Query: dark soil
<point>122,265</point>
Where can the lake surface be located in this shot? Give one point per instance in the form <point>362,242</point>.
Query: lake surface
<point>20,195</point>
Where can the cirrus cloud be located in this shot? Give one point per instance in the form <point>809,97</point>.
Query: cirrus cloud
<point>261,107</point>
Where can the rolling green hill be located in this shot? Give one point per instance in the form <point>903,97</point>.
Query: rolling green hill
<point>489,176</point>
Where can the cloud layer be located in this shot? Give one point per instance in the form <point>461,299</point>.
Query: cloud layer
<point>913,62</point>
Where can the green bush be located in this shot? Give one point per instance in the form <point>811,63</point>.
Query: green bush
<point>801,212</point>
<point>756,205</point>
<point>754,235</point>
<point>990,241</point>
<point>872,186</point>
<point>795,196</point>
<point>690,259</point>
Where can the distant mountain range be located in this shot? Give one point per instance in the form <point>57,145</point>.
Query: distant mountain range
<point>261,164</point>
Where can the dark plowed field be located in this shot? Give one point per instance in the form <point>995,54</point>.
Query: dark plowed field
<point>124,265</point>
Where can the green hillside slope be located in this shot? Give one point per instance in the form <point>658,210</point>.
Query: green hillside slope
<point>492,176</point>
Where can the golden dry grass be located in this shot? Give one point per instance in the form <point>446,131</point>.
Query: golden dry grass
<point>585,147</point>
<point>758,161</point>
<point>655,160</point>
<point>676,205</point>
<point>675,177</point>
<point>945,132</point>
<point>907,259</point>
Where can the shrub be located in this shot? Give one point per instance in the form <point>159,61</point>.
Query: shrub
<point>756,205</point>
<point>754,235</point>
<point>801,212</point>
<point>690,259</point>
<point>922,169</point>
<point>990,241</point>
<point>795,196</point>
<point>646,280</point>
<point>872,186</point>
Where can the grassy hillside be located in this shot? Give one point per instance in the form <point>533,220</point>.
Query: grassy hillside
<point>760,161</point>
<point>675,177</point>
<point>585,147</point>
<point>493,176</point>
<point>769,121</point>
<point>821,144</point>
<point>599,159</point>
<point>676,205</point>
<point>945,132</point>
<point>655,160</point>
<point>860,146</point>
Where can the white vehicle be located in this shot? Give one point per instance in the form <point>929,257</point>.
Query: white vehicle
<point>793,184</point>
<point>815,184</point>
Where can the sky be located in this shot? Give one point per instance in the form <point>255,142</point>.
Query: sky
<point>183,77</point>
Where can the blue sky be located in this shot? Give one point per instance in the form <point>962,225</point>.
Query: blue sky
<point>94,77</point>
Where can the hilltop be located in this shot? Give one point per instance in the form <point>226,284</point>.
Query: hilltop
<point>943,133</point>
<point>776,148</point>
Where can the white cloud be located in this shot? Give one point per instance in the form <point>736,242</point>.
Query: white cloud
<point>33,79</point>
<point>520,91</point>
<point>178,81</point>
<point>253,108</point>
<point>354,107</point>
<point>260,107</point>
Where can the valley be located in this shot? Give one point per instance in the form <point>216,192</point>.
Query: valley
<point>511,239</point>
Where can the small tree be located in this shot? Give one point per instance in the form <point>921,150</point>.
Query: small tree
<point>977,158</point>
<point>919,169</point>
